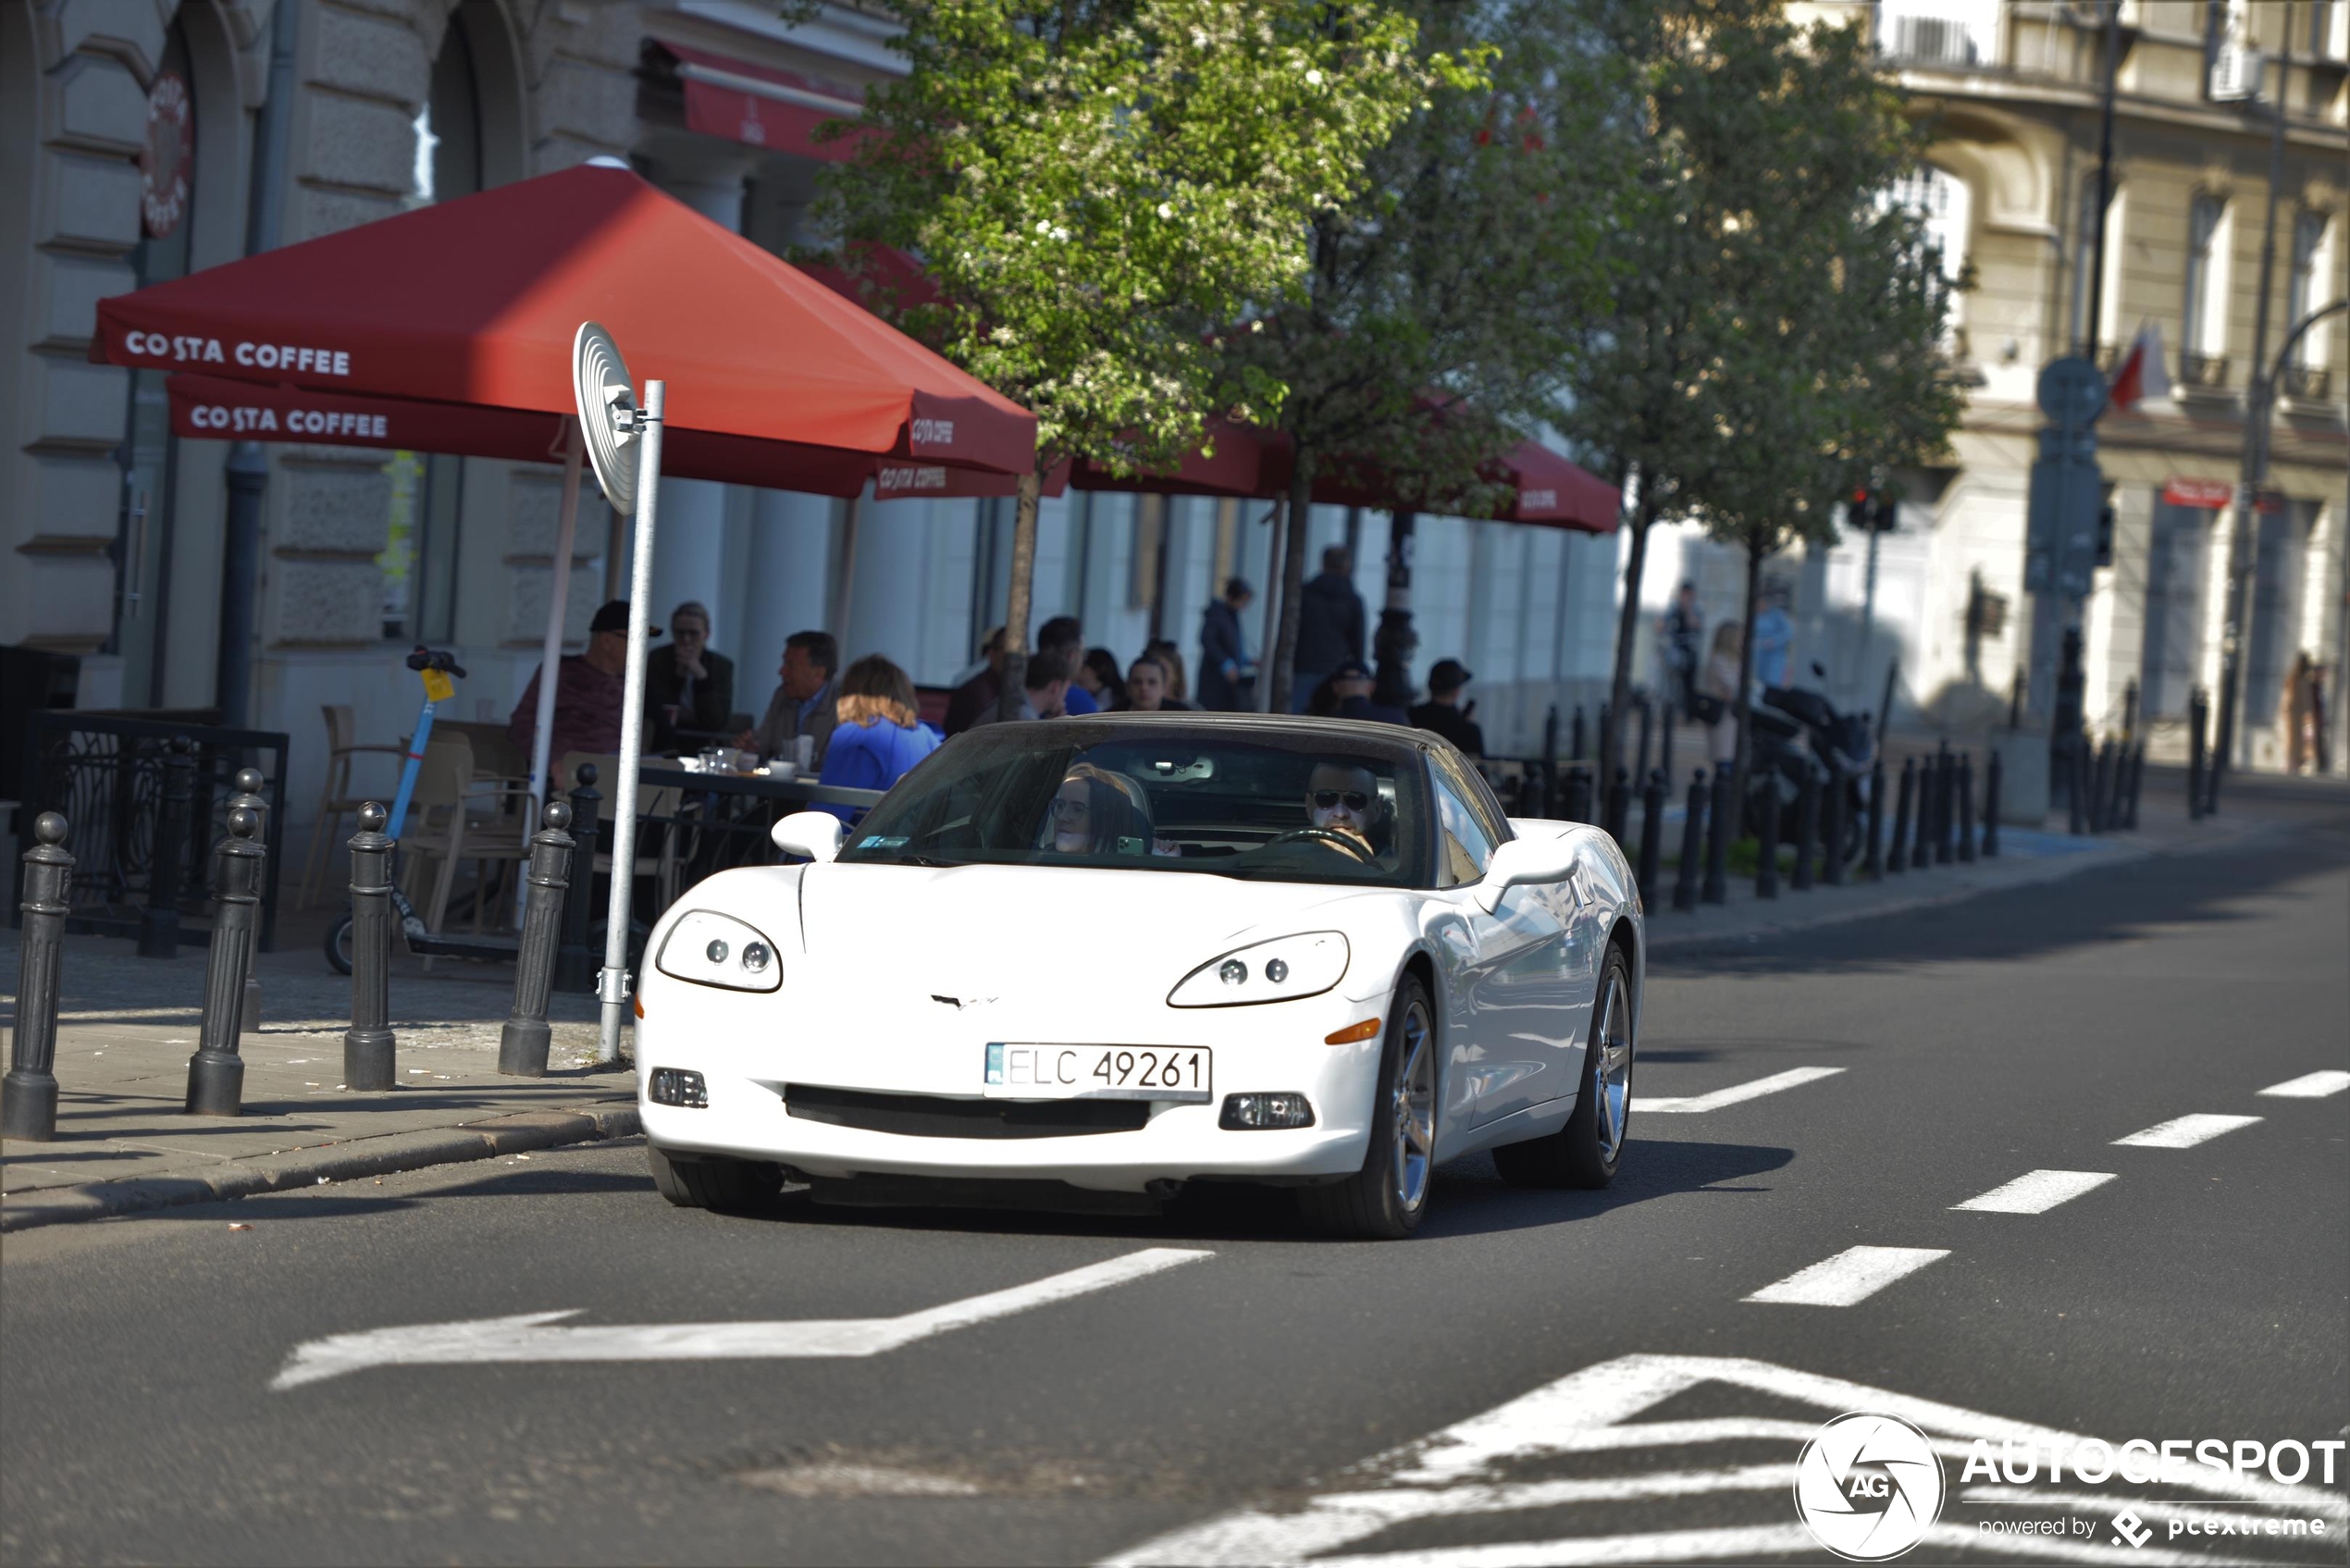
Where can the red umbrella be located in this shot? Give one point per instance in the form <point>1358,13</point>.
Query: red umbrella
<point>475,301</point>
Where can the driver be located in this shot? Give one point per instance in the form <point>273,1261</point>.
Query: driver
<point>1341,798</point>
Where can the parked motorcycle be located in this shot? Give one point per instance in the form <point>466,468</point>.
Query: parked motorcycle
<point>1794,731</point>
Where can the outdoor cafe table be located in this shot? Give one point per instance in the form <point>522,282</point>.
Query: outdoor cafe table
<point>720,821</point>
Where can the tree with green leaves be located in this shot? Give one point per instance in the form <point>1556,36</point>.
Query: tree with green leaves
<point>1095,186</point>
<point>1440,303</point>
<point>1776,332</point>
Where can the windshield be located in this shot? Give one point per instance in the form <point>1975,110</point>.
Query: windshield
<point>1279,809</point>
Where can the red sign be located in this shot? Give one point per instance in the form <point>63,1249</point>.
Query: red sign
<point>2210,494</point>
<point>169,153</point>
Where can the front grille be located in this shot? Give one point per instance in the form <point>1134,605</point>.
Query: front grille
<point>935,1115</point>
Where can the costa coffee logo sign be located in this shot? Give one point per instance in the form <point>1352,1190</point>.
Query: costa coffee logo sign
<point>165,161</point>
<point>2211,494</point>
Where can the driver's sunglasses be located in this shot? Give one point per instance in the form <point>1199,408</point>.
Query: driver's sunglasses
<point>1356,799</point>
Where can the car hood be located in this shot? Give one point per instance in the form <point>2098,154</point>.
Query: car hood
<point>989,931</point>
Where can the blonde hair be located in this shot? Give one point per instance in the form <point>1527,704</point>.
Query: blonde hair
<point>874,688</point>
<point>1728,639</point>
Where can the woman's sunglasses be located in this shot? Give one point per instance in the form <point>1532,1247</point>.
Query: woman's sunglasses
<point>1356,799</point>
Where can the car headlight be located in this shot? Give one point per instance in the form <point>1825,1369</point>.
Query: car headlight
<point>710,948</point>
<point>1278,970</point>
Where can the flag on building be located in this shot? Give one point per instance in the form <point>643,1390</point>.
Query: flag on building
<point>2142,374</point>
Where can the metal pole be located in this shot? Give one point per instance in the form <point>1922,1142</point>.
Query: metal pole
<point>1651,835</point>
<point>1766,861</point>
<point>1922,842</point>
<point>1899,860</point>
<point>1692,844</point>
<point>1966,806</point>
<point>1717,843</point>
<point>613,987</point>
<point>1280,519</point>
<point>2194,756</point>
<point>1832,829</point>
<point>2259,398</point>
<point>1868,609</point>
<point>29,1093</point>
<point>2095,259</point>
<point>159,920</point>
<point>249,797</point>
<point>1946,774</point>
<point>1991,767</point>
<point>369,1049</point>
<point>215,1073</point>
<point>522,1045</point>
<point>1872,861</point>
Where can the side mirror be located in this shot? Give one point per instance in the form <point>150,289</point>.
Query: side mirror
<point>1523,860</point>
<point>816,834</point>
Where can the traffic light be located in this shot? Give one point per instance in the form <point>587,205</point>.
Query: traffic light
<point>2105,536</point>
<point>1873,511</point>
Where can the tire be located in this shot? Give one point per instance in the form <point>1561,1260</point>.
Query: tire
<point>1586,1151</point>
<point>337,944</point>
<point>710,1181</point>
<point>1387,1198</point>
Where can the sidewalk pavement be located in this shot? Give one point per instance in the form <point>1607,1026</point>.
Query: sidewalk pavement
<point>128,1025</point>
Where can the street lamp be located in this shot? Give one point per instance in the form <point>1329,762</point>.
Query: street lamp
<point>2258,417</point>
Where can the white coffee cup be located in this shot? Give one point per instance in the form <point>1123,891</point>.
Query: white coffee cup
<point>803,751</point>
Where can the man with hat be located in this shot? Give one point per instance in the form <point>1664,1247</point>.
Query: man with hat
<point>1346,694</point>
<point>1443,711</point>
<point>590,690</point>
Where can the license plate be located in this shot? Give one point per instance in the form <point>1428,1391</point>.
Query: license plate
<point>1098,1072</point>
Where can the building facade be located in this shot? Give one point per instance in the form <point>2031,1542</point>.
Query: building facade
<point>2011,89</point>
<point>134,148</point>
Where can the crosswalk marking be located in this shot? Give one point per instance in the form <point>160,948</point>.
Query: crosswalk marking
<point>1731,1096</point>
<point>1851,1276</point>
<point>2183,1132</point>
<point>2310,1085</point>
<point>2036,1191</point>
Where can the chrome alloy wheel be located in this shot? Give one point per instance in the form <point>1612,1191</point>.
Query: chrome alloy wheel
<point>1612,1073</point>
<point>1414,1113</point>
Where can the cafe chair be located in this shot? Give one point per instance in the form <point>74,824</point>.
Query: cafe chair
<point>335,800</point>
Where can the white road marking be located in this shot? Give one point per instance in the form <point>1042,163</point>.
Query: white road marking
<point>1849,1277</point>
<point>2310,1085</point>
<point>527,1337</point>
<point>2183,1132</point>
<point>1461,1471</point>
<point>2036,1191</point>
<point>1790,1079</point>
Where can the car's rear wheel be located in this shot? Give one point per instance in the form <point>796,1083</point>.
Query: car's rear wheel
<point>1385,1199</point>
<point>711,1181</point>
<point>1586,1152</point>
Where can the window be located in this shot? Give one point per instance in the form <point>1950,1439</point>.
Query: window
<point>1469,827</point>
<point>1944,208</point>
<point>2203,318</point>
<point>2309,252</point>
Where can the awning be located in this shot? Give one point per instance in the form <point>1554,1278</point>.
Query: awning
<point>760,106</point>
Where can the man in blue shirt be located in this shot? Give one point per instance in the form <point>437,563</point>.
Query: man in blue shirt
<point>803,703</point>
<point>1774,636</point>
<point>1064,636</point>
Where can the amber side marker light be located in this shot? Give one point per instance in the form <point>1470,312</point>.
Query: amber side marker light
<point>1366,1030</point>
<point>638,1004</point>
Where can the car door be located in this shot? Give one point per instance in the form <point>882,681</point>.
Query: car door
<point>1518,1028</point>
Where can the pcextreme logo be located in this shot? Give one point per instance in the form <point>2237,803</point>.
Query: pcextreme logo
<point>1868,1486</point>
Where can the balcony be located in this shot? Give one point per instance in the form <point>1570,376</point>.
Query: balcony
<point>1938,37</point>
<point>2307,383</point>
<point>2208,372</point>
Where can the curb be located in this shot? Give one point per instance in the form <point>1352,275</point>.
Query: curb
<point>381,1156</point>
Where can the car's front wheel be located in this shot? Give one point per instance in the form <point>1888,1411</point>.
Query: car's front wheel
<point>1586,1152</point>
<point>1385,1199</point>
<point>710,1181</point>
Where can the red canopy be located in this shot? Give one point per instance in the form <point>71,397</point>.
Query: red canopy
<point>1538,485</point>
<point>474,302</point>
<point>217,408</point>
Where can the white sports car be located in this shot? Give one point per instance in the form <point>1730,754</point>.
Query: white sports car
<point>1127,952</point>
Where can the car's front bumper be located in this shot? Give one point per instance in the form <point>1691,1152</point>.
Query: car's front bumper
<point>751,1049</point>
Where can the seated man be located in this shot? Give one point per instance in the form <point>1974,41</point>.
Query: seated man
<point>1342,798</point>
<point>804,702</point>
<point>590,689</point>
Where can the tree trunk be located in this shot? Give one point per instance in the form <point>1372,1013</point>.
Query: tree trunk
<point>1754,553</point>
<point>1300,499</point>
<point>1396,642</point>
<point>1016,610</point>
<point>1627,626</point>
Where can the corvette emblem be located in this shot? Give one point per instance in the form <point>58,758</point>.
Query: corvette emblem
<point>961,1002</point>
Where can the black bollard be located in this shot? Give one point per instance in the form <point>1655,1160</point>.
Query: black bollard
<point>1991,766</point>
<point>1832,829</point>
<point>522,1045</point>
<point>2076,781</point>
<point>2194,757</point>
<point>1546,778</point>
<point>249,796</point>
<point>1966,808</point>
<point>1651,836</point>
<point>1873,864</point>
<point>1619,816</point>
<point>159,920</point>
<point>1922,844</point>
<point>1576,807</point>
<point>369,1048</point>
<point>215,1073</point>
<point>1574,738</point>
<point>1946,776</point>
<point>2137,784</point>
<point>1807,827</point>
<point>1647,722</point>
<point>1725,825</point>
<point>1692,843</point>
<point>1901,860</point>
<point>2110,786</point>
<point>1664,744</point>
<point>577,962</point>
<point>28,1092</point>
<point>1766,860</point>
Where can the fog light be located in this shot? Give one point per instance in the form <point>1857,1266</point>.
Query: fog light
<point>675,1086</point>
<point>1249,1112</point>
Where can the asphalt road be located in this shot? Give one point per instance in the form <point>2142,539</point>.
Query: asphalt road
<point>1271,1400</point>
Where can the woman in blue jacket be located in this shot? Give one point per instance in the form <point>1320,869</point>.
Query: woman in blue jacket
<point>879,737</point>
